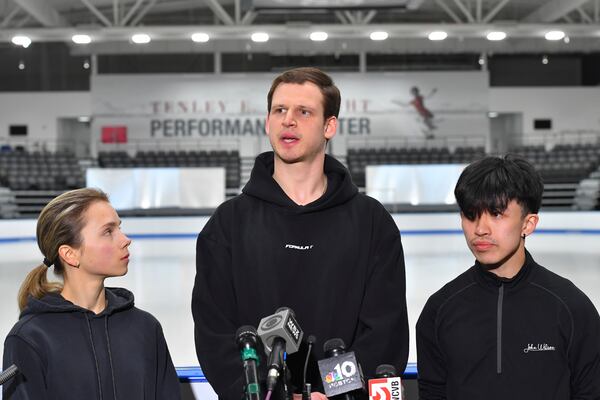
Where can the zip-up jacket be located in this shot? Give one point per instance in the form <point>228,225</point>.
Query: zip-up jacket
<point>534,336</point>
<point>67,352</point>
<point>337,262</point>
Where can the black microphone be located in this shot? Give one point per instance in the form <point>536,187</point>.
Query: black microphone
<point>280,333</point>
<point>307,387</point>
<point>387,384</point>
<point>385,371</point>
<point>247,340</point>
<point>340,372</point>
<point>8,374</point>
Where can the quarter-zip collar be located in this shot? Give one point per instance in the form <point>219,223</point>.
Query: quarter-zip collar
<point>490,280</point>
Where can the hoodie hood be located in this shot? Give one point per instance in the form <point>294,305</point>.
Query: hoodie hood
<point>261,185</point>
<point>118,299</point>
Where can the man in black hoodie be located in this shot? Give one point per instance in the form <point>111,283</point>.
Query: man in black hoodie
<point>300,235</point>
<point>507,328</point>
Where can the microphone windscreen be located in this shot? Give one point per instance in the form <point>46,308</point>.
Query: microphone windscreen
<point>333,344</point>
<point>385,371</point>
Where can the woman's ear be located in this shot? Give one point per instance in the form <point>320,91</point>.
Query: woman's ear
<point>69,256</point>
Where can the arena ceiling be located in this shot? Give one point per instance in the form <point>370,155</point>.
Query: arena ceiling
<point>348,24</point>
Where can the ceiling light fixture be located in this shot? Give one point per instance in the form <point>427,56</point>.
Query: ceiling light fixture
<point>81,39</point>
<point>318,36</point>
<point>21,40</point>
<point>554,35</point>
<point>200,37</point>
<point>496,36</point>
<point>140,38</point>
<point>438,35</point>
<point>260,37</point>
<point>379,35</point>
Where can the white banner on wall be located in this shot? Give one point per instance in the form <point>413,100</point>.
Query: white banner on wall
<point>145,188</point>
<point>184,107</point>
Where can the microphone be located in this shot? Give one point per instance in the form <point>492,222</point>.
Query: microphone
<point>386,385</point>
<point>280,333</point>
<point>247,340</point>
<point>340,372</point>
<point>8,374</point>
<point>307,387</point>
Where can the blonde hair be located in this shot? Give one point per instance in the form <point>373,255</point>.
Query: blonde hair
<point>60,223</point>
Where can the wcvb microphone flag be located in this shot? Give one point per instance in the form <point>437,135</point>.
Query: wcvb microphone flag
<point>385,389</point>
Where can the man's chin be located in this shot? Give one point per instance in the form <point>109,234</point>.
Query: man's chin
<point>288,159</point>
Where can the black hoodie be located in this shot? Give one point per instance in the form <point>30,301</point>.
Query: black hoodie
<point>337,262</point>
<point>67,352</point>
<point>534,337</point>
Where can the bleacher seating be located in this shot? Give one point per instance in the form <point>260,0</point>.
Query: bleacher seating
<point>358,159</point>
<point>565,163</point>
<point>230,160</point>
<point>8,205</point>
<point>21,170</point>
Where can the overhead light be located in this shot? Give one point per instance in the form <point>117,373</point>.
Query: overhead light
<point>200,37</point>
<point>545,60</point>
<point>81,39</point>
<point>554,35</point>
<point>260,37</point>
<point>438,35</point>
<point>83,119</point>
<point>21,65</point>
<point>140,38</point>
<point>379,35</point>
<point>492,114</point>
<point>567,39</point>
<point>318,36</point>
<point>496,36</point>
<point>21,40</point>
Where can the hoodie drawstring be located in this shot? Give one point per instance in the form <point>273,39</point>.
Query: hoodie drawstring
<point>112,370</point>
<point>94,353</point>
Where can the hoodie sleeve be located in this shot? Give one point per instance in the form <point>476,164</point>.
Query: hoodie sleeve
<point>431,365</point>
<point>30,381</point>
<point>584,355</point>
<point>382,336</point>
<point>213,309</point>
<point>167,382</point>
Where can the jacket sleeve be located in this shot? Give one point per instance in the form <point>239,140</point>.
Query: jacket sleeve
<point>213,309</point>
<point>584,354</point>
<point>30,381</point>
<point>167,382</point>
<point>382,335</point>
<point>430,361</point>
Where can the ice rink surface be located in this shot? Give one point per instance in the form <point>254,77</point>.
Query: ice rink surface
<point>162,267</point>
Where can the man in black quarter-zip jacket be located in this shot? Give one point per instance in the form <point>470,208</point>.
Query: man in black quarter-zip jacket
<point>507,328</point>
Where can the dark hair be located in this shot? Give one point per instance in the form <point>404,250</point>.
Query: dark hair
<point>59,223</point>
<point>489,184</point>
<point>331,94</point>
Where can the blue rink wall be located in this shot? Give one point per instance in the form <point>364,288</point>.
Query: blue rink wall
<point>162,268</point>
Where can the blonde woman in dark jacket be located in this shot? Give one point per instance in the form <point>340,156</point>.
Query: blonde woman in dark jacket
<point>81,340</point>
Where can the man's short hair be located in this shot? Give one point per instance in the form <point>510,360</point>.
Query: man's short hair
<point>331,94</point>
<point>489,184</point>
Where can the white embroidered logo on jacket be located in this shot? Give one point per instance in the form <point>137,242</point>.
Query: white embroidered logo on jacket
<point>538,347</point>
<point>296,247</point>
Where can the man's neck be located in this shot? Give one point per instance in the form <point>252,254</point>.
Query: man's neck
<point>303,182</point>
